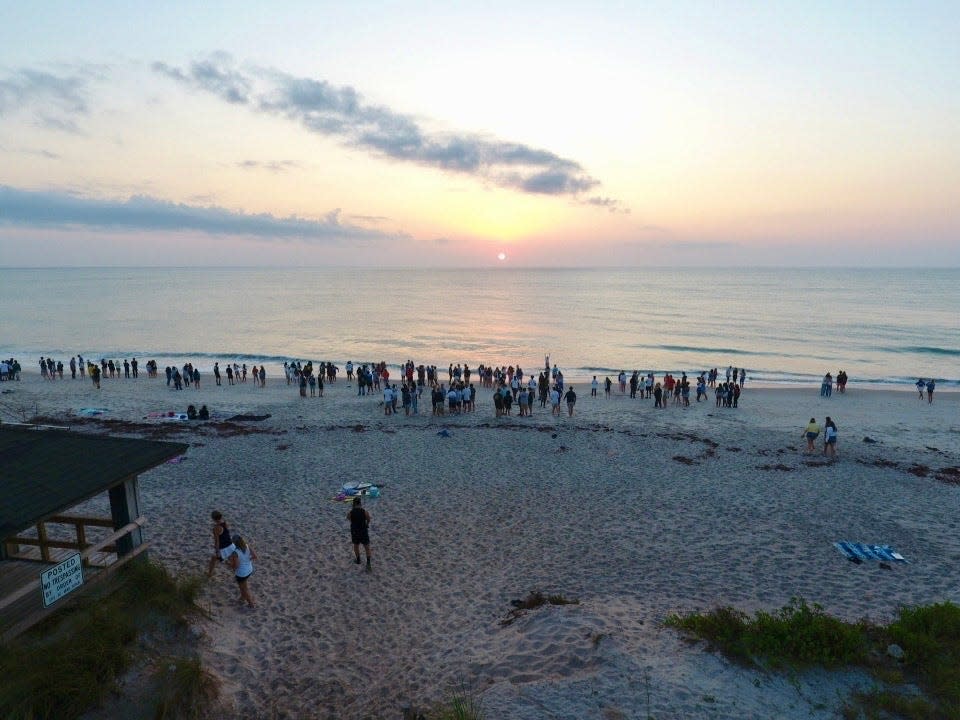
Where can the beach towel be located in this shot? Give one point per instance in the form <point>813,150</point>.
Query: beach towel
<point>251,418</point>
<point>346,496</point>
<point>90,412</point>
<point>356,488</point>
<point>858,552</point>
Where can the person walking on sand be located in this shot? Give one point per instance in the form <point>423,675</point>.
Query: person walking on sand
<point>811,432</point>
<point>223,545</point>
<point>242,563</point>
<point>359,530</point>
<point>920,386</point>
<point>830,438</point>
<point>931,385</point>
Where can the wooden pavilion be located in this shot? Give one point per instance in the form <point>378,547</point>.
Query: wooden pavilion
<point>44,473</point>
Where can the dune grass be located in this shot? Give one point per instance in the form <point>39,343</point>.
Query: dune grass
<point>72,661</point>
<point>186,690</point>
<point>801,636</point>
<point>464,705</point>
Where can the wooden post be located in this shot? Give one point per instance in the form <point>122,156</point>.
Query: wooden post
<point>42,537</point>
<point>8,548</point>
<point>82,539</point>
<point>125,509</point>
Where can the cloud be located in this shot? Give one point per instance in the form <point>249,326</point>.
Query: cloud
<point>51,209</point>
<point>608,203</point>
<point>275,166</point>
<point>699,245</point>
<point>39,152</point>
<point>213,75</point>
<point>369,218</point>
<point>341,112</point>
<point>57,99</point>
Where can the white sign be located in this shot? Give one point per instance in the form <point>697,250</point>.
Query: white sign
<point>61,579</point>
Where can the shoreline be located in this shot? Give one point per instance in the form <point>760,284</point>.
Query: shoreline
<point>275,373</point>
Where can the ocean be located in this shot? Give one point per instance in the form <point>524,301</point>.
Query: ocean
<point>785,326</point>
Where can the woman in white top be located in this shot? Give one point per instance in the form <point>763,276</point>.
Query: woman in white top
<point>830,439</point>
<point>242,563</point>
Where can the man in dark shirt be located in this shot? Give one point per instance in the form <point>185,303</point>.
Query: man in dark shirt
<point>359,530</point>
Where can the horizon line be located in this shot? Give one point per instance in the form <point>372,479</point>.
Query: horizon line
<point>499,266</point>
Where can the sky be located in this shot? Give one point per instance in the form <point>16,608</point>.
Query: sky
<point>477,135</point>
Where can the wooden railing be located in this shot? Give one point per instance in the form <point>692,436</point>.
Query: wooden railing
<point>101,546</point>
<point>42,541</point>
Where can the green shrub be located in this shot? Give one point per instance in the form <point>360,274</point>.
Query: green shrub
<point>800,635</point>
<point>930,638</point>
<point>796,635</point>
<point>69,663</point>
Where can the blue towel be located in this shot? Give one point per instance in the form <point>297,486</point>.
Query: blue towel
<point>858,552</point>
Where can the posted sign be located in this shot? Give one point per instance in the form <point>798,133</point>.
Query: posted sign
<point>61,579</point>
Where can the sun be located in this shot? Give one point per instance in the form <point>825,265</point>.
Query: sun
<point>502,256</point>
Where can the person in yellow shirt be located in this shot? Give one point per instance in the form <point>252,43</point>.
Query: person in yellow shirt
<point>811,432</point>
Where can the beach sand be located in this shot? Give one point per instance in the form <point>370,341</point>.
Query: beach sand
<point>634,512</point>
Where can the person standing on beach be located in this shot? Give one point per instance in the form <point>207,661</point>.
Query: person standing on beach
<point>554,401</point>
<point>216,372</point>
<point>359,530</point>
<point>607,383</point>
<point>571,397</point>
<point>810,433</point>
<point>242,563</point>
<point>931,385</point>
<point>920,386</point>
<point>223,545</point>
<point>593,386</point>
<point>830,439</point>
<point>263,377</point>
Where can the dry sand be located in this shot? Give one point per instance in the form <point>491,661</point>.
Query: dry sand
<point>635,512</point>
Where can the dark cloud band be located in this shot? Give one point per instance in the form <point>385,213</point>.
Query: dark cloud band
<point>340,111</point>
<point>30,208</point>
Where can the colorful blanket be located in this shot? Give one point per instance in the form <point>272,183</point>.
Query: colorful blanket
<point>858,552</point>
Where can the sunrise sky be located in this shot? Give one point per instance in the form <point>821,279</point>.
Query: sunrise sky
<point>447,134</point>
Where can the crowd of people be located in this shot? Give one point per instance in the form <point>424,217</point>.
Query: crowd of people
<point>9,370</point>
<point>513,388</point>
